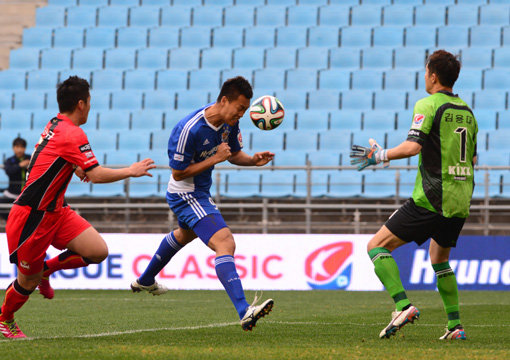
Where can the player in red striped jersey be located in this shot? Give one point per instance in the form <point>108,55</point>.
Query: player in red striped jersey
<point>40,216</point>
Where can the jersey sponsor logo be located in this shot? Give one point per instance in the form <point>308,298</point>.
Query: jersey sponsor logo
<point>178,157</point>
<point>224,135</point>
<point>47,135</point>
<point>329,267</point>
<point>413,133</point>
<point>240,138</point>
<point>84,148</point>
<point>89,154</point>
<point>205,154</point>
<point>24,265</point>
<point>460,172</point>
<point>418,121</point>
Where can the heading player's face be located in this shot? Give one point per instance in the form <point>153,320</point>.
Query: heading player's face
<point>232,111</point>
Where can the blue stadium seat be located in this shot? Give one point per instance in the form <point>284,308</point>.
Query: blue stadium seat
<point>144,187</point>
<point>469,79</point>
<point>227,37</point>
<point>392,36</point>
<point>37,37</point>
<point>42,79</point>
<point>242,183</point>
<point>114,16</point>
<point>87,58</point>
<point>195,37</point>
<point>81,16</point>
<point>12,80</point>
<point>270,16</point>
<point>289,158</point>
<point>420,36</point>
<point>365,16</point>
<point>282,58</point>
<point>303,141</point>
<point>146,16</point>
<point>502,57</point>
<point>497,79</point>
<point>187,2</point>
<point>62,2</point>
<point>486,119</point>
<point>476,59</point>
<point>152,58</point>
<point>301,79</point>
<point>228,74</point>
<point>376,58</point>
<point>132,37</point>
<point>110,79</point>
<point>114,120</point>
<point>356,100</point>
<point>379,120</point>
<point>344,58</point>
<point>120,58</point>
<point>399,79</point>
<point>367,79</point>
<point>334,15</point>
<point>78,188</point>
<point>69,37</point>
<point>312,120</point>
<point>100,99</point>
<point>462,15</point>
<point>495,14</point>
<point>250,2</point>
<point>324,36</point>
<point>278,184</point>
<point>268,79</point>
<point>490,99</point>
<point>394,138</point>
<point>430,15</point>
<point>344,184</point>
<point>192,99</point>
<point>6,99</point>
<point>390,100</point>
<point>134,140</point>
<point>50,16</point>
<point>29,100</point>
<point>176,16</point>
<point>210,15</point>
<point>313,57</point>
<point>147,119</point>
<point>323,158</point>
<point>334,79</point>
<point>292,98</point>
<point>215,58</point>
<point>172,80</point>
<point>24,58</point>
<point>124,2</point>
<point>355,36</point>
<point>506,36</point>
<point>159,100</point>
<point>452,36</point>
<point>302,15</point>
<point>64,74</point>
<point>55,58</point>
<point>324,99</point>
<point>239,15</point>
<point>140,80</point>
<point>346,120</point>
<point>208,79</point>
<point>184,58</point>
<point>124,158</point>
<point>380,184</point>
<point>291,36</point>
<point>414,96</point>
<point>498,140</point>
<point>485,36</point>
<point>267,141</point>
<point>164,37</point>
<point>15,120</point>
<point>398,15</point>
<point>313,2</point>
<point>100,37</point>
<point>127,99</point>
<point>108,189</point>
<point>260,36</point>
<point>251,58</point>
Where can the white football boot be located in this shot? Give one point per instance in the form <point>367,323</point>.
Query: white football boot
<point>255,312</point>
<point>457,333</point>
<point>398,320</point>
<point>154,289</point>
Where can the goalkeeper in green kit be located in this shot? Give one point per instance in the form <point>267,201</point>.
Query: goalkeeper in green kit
<point>443,132</point>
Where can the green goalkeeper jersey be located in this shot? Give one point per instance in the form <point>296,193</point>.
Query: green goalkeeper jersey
<point>446,128</point>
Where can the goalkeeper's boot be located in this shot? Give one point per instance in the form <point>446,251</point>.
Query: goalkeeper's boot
<point>10,330</point>
<point>457,333</point>
<point>398,320</point>
<point>45,288</point>
<point>154,289</point>
<point>256,312</point>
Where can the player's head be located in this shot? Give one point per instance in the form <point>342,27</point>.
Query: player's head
<point>73,97</point>
<point>19,146</point>
<point>234,99</point>
<point>442,69</point>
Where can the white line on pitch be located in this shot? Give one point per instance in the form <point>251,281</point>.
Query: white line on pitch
<point>373,324</point>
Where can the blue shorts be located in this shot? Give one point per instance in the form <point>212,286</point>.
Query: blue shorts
<point>197,211</point>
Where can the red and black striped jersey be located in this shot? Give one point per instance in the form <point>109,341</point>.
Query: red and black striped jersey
<point>62,147</point>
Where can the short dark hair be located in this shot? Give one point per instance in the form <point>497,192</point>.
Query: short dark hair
<point>70,92</point>
<point>19,142</point>
<point>234,87</point>
<point>445,65</point>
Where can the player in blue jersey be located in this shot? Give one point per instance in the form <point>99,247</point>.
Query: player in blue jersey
<point>197,143</point>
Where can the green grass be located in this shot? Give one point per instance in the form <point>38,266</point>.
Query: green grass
<point>203,325</point>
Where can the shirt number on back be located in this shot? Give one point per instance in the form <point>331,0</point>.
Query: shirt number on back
<point>462,131</point>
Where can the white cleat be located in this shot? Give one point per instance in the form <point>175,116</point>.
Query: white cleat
<point>457,333</point>
<point>154,289</point>
<point>256,312</point>
<point>398,320</point>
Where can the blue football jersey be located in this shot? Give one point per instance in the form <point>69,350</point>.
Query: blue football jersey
<point>193,140</point>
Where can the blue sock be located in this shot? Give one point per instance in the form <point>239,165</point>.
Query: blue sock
<point>226,271</point>
<point>167,249</point>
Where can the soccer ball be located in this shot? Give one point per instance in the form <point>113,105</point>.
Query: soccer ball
<point>267,112</point>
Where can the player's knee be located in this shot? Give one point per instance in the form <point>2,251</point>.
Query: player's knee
<point>98,256</point>
<point>224,243</point>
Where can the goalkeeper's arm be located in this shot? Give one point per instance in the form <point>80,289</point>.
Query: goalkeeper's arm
<point>404,150</point>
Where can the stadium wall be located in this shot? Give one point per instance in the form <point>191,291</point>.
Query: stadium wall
<point>284,262</point>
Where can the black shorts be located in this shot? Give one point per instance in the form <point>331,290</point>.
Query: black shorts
<point>414,223</point>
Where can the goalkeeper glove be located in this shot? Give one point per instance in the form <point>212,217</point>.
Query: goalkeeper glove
<point>366,156</point>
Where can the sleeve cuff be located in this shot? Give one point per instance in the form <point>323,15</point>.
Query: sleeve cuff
<point>91,167</point>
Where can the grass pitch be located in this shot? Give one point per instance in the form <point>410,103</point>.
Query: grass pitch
<point>203,325</point>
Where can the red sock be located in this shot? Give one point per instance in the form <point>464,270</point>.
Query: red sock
<point>65,260</point>
<point>15,297</point>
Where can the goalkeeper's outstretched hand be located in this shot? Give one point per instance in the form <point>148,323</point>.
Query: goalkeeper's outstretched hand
<point>366,156</point>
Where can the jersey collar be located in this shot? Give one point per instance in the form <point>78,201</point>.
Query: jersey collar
<point>448,93</point>
<point>209,124</point>
<point>65,118</point>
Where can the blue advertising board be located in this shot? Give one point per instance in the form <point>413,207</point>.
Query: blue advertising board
<point>479,262</point>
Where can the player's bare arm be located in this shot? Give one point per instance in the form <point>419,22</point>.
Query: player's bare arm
<point>404,150</point>
<point>101,174</point>
<point>222,153</point>
<point>258,159</point>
